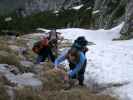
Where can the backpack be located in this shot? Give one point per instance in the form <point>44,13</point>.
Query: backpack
<point>39,45</point>
<point>53,38</point>
<point>53,35</point>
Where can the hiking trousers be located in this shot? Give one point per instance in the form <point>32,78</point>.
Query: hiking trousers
<point>45,53</point>
<point>80,74</point>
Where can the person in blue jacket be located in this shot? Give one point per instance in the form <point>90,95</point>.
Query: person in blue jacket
<point>76,59</point>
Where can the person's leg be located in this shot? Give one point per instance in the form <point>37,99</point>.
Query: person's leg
<point>81,79</point>
<point>81,74</point>
<point>83,67</point>
<point>45,53</point>
<point>50,55</point>
<point>39,59</point>
<point>71,65</point>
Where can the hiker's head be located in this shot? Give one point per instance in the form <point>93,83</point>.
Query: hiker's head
<point>81,41</point>
<point>73,55</point>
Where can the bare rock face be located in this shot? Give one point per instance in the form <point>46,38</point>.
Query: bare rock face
<point>128,28</point>
<point>44,5</point>
<point>26,7</point>
<point>111,13</point>
<point>25,79</point>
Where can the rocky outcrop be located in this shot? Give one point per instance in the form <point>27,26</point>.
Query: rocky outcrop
<point>111,13</point>
<point>14,78</point>
<point>128,28</point>
<point>26,7</point>
<point>105,13</point>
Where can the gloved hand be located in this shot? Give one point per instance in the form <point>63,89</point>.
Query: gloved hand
<point>66,77</point>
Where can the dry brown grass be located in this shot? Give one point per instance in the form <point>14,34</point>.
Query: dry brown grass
<point>47,66</point>
<point>21,42</point>
<point>7,55</point>
<point>3,92</point>
<point>4,80</point>
<point>78,93</point>
<point>30,55</point>
<point>27,93</point>
<point>9,58</point>
<point>75,94</point>
<point>53,80</point>
<point>4,46</point>
<point>54,88</point>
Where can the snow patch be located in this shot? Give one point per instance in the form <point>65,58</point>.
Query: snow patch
<point>108,61</point>
<point>95,12</point>
<point>77,7</point>
<point>42,29</point>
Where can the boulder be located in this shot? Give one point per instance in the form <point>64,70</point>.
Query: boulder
<point>25,79</point>
<point>26,66</point>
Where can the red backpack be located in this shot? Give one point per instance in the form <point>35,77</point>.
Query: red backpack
<point>39,45</point>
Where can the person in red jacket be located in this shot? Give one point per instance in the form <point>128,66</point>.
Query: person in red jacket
<point>43,50</point>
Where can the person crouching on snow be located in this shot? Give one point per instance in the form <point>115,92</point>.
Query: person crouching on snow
<point>43,50</point>
<point>76,59</point>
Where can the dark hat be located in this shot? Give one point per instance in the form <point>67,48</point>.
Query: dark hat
<point>82,41</point>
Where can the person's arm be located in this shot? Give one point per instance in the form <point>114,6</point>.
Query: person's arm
<point>60,59</point>
<point>71,73</point>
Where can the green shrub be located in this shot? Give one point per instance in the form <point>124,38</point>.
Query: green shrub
<point>47,19</point>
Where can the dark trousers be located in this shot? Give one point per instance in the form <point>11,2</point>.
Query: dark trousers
<point>80,74</point>
<point>45,53</point>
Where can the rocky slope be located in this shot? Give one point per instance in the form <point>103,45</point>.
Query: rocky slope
<point>112,12</point>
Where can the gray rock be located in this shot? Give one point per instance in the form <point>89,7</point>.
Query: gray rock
<point>26,63</point>
<point>112,13</point>
<point>25,79</point>
<point>27,66</point>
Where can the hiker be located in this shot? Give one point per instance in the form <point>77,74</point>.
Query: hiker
<point>53,40</point>
<point>43,50</point>
<point>76,58</point>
